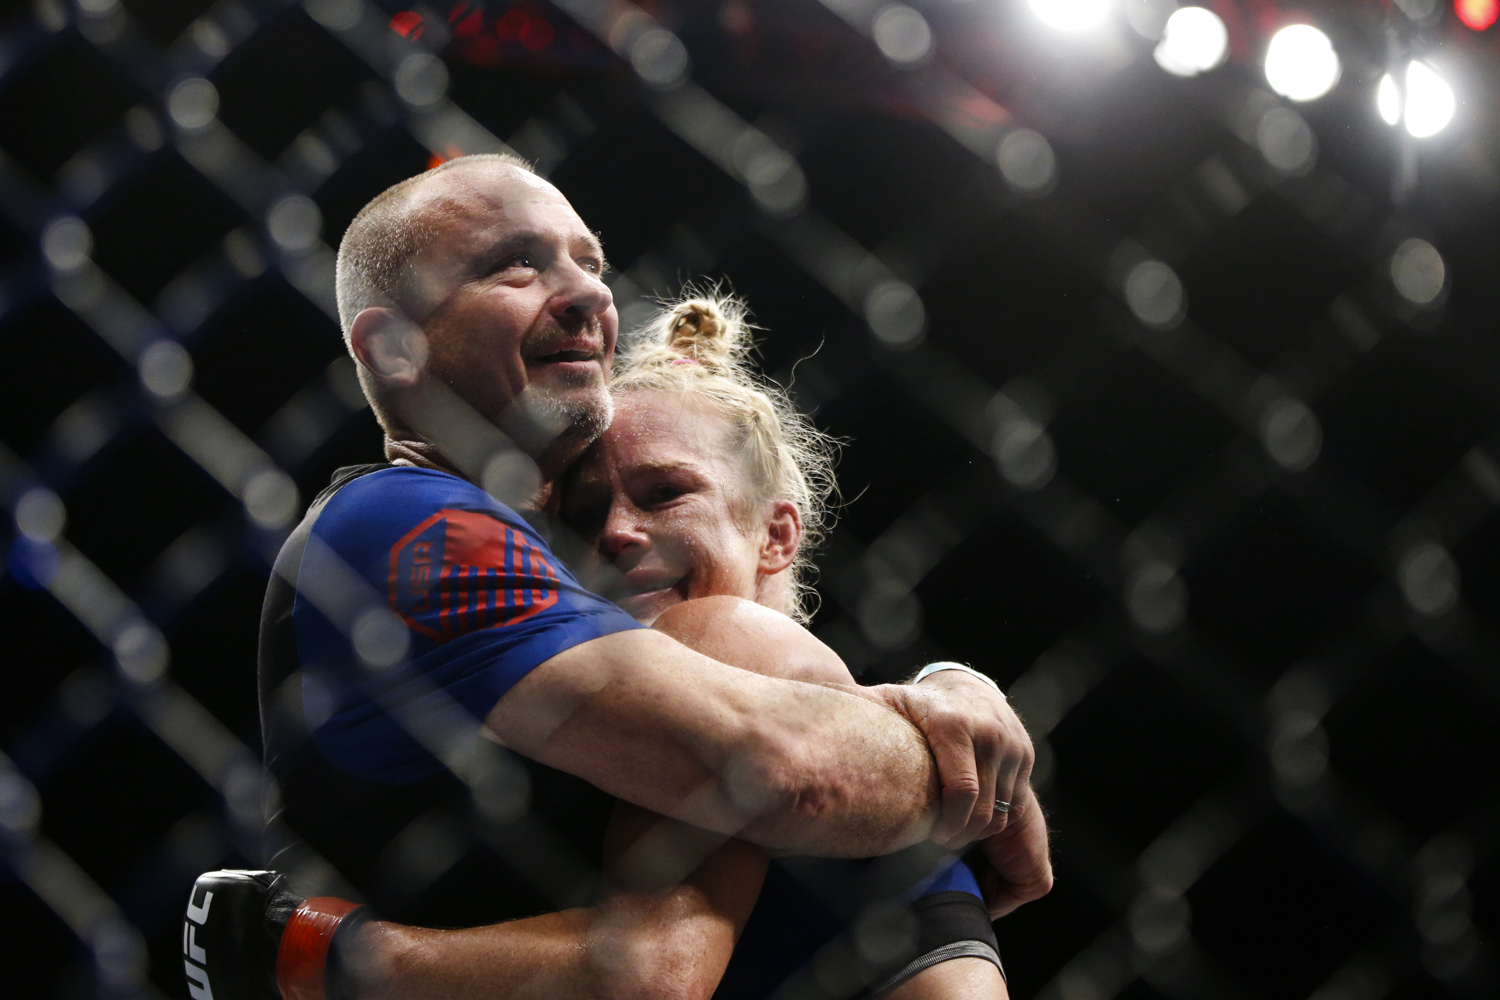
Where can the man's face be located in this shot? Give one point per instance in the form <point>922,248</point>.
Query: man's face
<point>509,293</point>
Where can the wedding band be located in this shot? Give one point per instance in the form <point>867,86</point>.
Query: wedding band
<point>1002,807</point>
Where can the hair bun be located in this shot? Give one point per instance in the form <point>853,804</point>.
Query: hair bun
<point>709,330</point>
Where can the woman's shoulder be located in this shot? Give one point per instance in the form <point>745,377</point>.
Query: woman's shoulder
<point>753,637</point>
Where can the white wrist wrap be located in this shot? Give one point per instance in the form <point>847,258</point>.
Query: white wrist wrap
<point>933,668</point>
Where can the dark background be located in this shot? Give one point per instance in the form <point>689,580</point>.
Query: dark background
<point>1240,569</point>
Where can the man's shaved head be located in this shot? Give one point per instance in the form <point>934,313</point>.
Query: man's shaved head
<point>379,245</point>
<point>477,279</point>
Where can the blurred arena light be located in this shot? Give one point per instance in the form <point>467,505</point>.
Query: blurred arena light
<point>166,369</point>
<point>1071,15</point>
<point>193,103</point>
<point>895,313</point>
<point>67,243</point>
<point>1418,272</point>
<point>421,79</point>
<point>1291,433</point>
<point>40,514</point>
<point>1286,142</point>
<point>1301,63</point>
<point>1195,41</point>
<point>1388,100</point>
<point>659,58</point>
<point>1429,101</point>
<point>1477,14</point>
<point>1424,12</point>
<point>1154,293</point>
<point>1027,162</point>
<point>902,34</point>
<point>1429,105</point>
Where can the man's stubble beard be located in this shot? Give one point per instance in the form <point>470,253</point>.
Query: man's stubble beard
<point>546,420</point>
<point>541,420</point>
<point>556,410</point>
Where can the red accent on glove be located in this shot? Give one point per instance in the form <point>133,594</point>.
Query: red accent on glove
<point>303,955</point>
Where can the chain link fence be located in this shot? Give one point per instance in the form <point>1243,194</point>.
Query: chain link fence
<point>1172,404</point>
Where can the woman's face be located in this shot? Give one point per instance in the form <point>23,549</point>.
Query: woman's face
<point>662,497</point>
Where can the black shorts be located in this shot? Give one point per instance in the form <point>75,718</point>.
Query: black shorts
<point>949,925</point>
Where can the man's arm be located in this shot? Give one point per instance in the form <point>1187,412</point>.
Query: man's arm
<point>951,708</point>
<point>755,638</point>
<point>682,895</point>
<point>671,943</point>
<point>784,764</point>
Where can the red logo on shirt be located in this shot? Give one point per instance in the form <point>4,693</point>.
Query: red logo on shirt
<point>460,571</point>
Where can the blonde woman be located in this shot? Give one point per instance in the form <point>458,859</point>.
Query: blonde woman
<point>704,500</point>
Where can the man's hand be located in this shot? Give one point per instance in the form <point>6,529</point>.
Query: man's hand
<point>1019,868</point>
<point>983,753</point>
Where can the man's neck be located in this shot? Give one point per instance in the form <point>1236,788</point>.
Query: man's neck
<point>430,427</point>
<point>420,454</point>
<point>415,452</point>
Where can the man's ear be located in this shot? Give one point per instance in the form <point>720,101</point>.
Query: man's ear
<point>389,345</point>
<point>778,549</point>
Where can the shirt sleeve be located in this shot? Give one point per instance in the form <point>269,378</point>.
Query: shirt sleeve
<point>479,597</point>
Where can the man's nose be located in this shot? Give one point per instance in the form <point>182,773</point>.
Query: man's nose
<point>580,292</point>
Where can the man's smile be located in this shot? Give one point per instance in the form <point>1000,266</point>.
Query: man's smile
<point>568,351</point>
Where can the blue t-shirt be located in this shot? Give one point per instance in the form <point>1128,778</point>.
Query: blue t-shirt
<point>480,596</point>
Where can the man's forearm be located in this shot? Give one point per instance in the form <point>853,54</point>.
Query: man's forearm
<point>669,945</point>
<point>867,783</point>
<point>787,765</point>
<point>752,637</point>
<point>660,935</point>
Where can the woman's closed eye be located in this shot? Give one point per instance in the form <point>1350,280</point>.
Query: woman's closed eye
<point>663,493</point>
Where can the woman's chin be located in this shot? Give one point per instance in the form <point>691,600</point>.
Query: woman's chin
<point>645,607</point>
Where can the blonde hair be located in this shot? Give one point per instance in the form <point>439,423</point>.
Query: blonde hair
<point>698,346</point>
